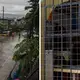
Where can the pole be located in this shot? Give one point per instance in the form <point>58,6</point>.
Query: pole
<point>3,14</point>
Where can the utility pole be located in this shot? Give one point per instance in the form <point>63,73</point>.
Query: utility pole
<point>3,14</point>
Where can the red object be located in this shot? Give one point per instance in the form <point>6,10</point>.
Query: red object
<point>50,17</point>
<point>17,79</point>
<point>13,34</point>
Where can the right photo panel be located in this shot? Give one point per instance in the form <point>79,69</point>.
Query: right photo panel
<point>60,39</point>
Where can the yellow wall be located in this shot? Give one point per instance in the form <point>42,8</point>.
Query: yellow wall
<point>59,1</point>
<point>51,2</point>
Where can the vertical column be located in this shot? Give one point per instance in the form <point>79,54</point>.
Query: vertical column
<point>48,65</point>
<point>73,77</point>
<point>42,41</point>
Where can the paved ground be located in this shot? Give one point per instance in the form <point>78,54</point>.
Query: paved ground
<point>6,53</point>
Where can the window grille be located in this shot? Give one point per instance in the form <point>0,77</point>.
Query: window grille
<point>62,39</point>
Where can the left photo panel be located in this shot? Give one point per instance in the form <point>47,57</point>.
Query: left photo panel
<point>19,39</point>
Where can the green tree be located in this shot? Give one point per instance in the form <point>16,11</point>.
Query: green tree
<point>18,25</point>
<point>32,18</point>
<point>3,25</point>
<point>27,51</point>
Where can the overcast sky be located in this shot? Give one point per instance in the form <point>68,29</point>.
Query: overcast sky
<point>15,7</point>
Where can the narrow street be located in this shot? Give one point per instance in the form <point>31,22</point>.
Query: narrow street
<point>6,53</point>
<point>19,20</point>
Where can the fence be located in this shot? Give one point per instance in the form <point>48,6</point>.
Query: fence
<point>62,40</point>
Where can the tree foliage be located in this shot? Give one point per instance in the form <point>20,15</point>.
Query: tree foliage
<point>18,25</point>
<point>3,25</point>
<point>32,17</point>
<point>26,48</point>
<point>27,51</point>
